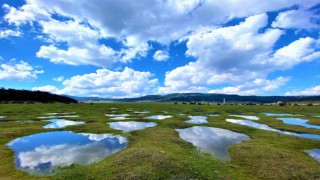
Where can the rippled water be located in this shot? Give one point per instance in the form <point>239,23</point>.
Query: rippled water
<point>42,153</point>
<point>212,140</point>
<point>131,125</point>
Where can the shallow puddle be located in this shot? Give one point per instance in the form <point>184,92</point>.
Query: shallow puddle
<point>197,120</point>
<point>68,116</point>
<point>213,115</point>
<point>158,117</point>
<point>215,141</point>
<point>47,117</point>
<point>2,117</point>
<point>60,113</point>
<point>117,115</point>
<point>131,125</point>
<point>120,118</point>
<point>246,117</point>
<point>280,114</point>
<point>268,128</point>
<point>315,154</point>
<point>298,122</point>
<point>141,112</point>
<point>60,123</point>
<point>56,117</point>
<point>42,153</point>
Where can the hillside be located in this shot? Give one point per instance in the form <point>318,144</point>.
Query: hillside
<point>218,98</point>
<point>212,98</point>
<point>19,96</point>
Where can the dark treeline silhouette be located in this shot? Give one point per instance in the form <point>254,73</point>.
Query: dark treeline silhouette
<point>21,96</point>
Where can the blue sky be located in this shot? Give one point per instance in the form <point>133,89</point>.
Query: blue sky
<point>133,48</point>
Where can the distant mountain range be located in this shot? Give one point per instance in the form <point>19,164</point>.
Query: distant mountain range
<point>202,97</point>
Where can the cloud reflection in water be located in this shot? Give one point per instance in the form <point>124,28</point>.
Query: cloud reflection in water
<point>212,140</point>
<point>41,153</point>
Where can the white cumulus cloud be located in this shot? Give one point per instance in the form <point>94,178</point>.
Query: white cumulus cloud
<point>236,55</point>
<point>20,71</point>
<point>133,23</point>
<point>258,86</point>
<point>297,19</point>
<point>59,79</point>
<point>82,41</point>
<point>9,33</point>
<point>307,92</point>
<point>106,83</point>
<point>161,55</point>
<point>47,88</point>
<point>302,50</point>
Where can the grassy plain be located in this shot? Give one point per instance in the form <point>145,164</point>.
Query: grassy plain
<point>159,153</point>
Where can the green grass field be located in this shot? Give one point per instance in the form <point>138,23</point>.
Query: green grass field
<point>159,153</point>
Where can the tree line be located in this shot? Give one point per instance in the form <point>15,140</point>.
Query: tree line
<point>23,96</point>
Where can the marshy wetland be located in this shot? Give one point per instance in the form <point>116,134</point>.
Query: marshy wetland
<point>238,142</point>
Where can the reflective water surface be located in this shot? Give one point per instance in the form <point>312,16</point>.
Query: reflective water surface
<point>197,120</point>
<point>2,117</point>
<point>315,154</point>
<point>158,117</point>
<point>299,122</point>
<point>213,115</point>
<point>60,113</point>
<point>68,116</point>
<point>280,114</point>
<point>131,125</point>
<point>42,153</point>
<point>120,118</point>
<point>47,117</point>
<point>246,117</point>
<point>117,115</point>
<point>141,112</point>
<point>61,123</point>
<point>268,128</point>
<point>215,141</point>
